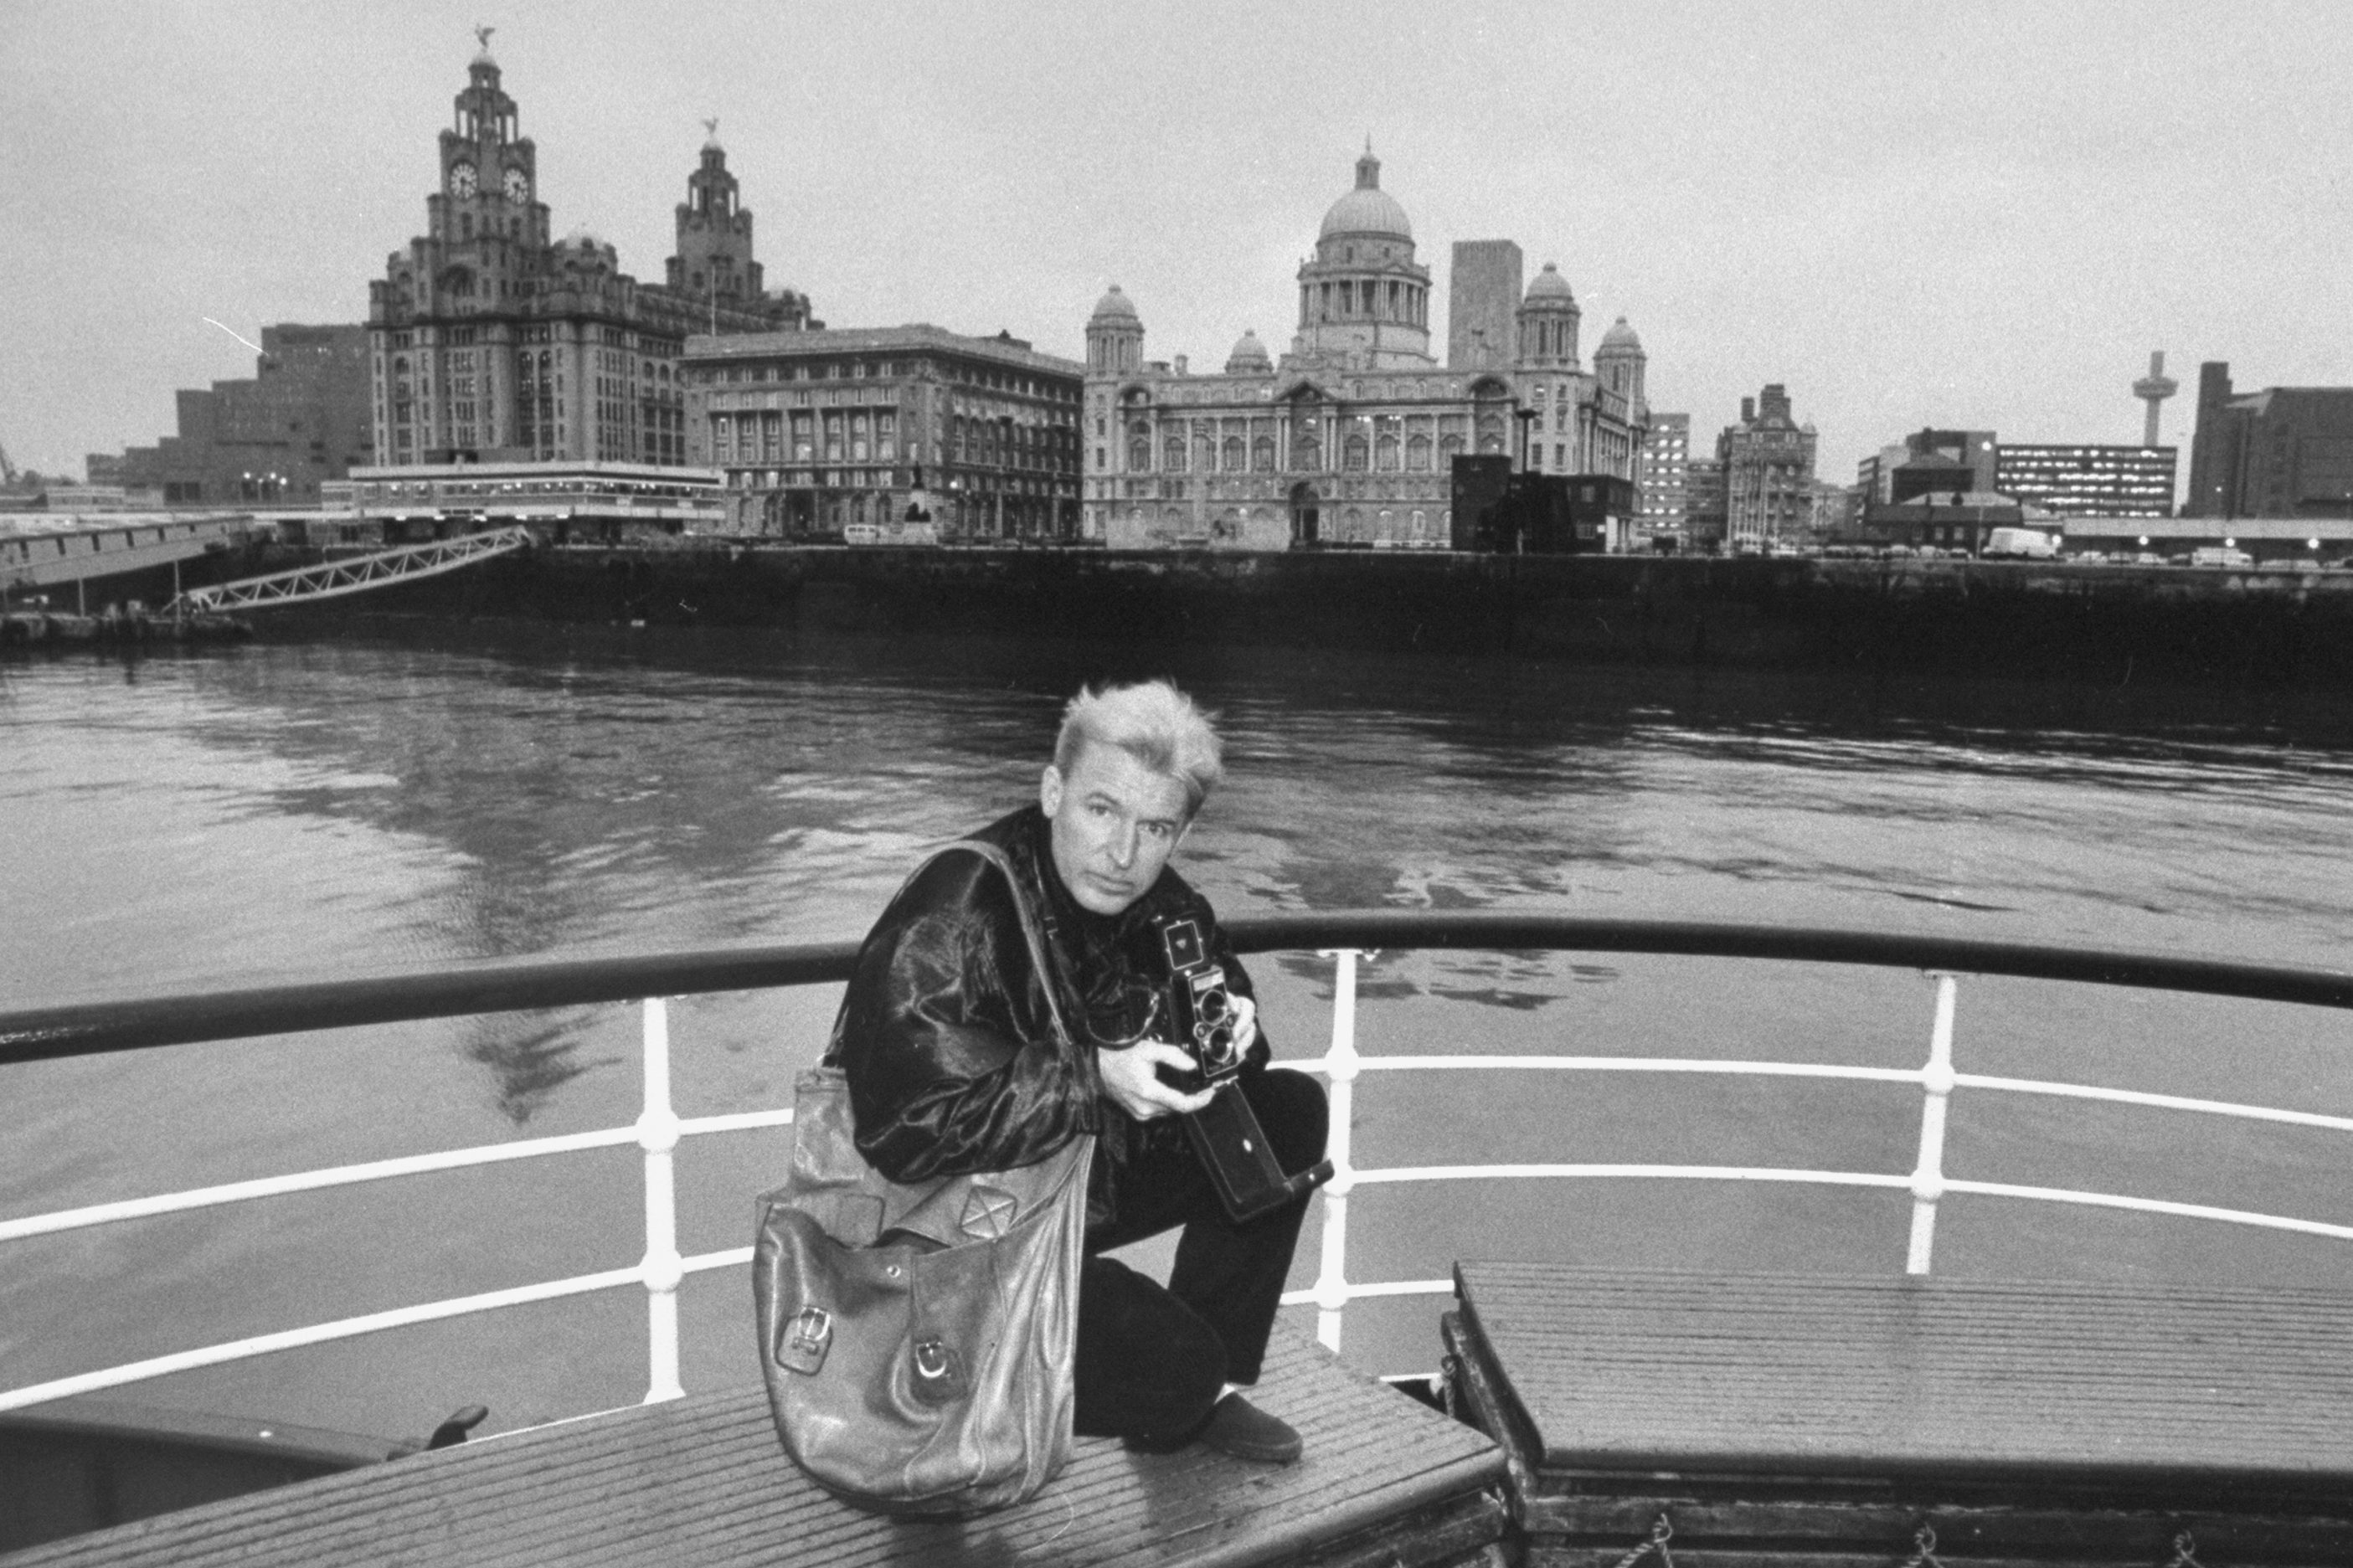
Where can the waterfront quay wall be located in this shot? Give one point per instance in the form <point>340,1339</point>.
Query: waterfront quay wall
<point>1958,618</point>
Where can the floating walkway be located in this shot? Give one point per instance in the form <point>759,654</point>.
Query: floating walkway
<point>356,574</point>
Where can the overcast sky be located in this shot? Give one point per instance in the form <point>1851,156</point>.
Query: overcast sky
<point>1971,214</point>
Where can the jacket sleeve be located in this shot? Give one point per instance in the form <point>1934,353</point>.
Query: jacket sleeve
<point>942,1035</point>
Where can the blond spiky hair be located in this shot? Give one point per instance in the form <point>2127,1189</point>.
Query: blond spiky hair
<point>1152,721</point>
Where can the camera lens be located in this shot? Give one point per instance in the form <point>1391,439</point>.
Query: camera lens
<point>1217,1042</point>
<point>1213,1007</point>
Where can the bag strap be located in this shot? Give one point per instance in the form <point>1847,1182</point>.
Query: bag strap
<point>1032,931</point>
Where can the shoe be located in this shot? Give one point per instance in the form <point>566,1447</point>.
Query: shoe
<point>1240,1428</point>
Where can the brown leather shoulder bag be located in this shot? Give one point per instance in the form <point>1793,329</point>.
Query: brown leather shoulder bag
<point>919,1340</point>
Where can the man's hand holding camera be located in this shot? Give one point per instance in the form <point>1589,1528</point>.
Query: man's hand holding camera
<point>1131,1076</point>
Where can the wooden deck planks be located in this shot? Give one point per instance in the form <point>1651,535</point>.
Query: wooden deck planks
<point>704,1480</point>
<point>1732,1374</point>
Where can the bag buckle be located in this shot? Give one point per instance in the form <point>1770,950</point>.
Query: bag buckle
<point>939,1372</point>
<point>807,1336</point>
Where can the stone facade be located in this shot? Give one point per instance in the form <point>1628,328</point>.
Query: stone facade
<point>490,340</point>
<point>819,432</point>
<point>1768,473</point>
<point>1349,439</point>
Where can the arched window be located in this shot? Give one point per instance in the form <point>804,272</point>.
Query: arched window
<point>1234,458</point>
<point>1307,453</point>
<point>1174,457</point>
<point>1262,455</point>
<point>1449,447</point>
<point>1385,455</point>
<point>1353,451</point>
<point>1139,453</point>
<point>1417,453</point>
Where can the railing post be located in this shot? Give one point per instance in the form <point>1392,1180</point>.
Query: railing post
<point>663,1268</point>
<point>1340,1071</point>
<point>1936,1082</point>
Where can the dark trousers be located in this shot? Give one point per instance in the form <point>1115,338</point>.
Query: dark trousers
<point>1151,1361</point>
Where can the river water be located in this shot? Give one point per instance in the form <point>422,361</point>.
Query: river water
<point>403,797</point>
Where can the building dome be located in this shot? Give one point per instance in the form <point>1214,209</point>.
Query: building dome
<point>1550,285</point>
<point>1113,306</point>
<point>1621,339</point>
<point>1249,355</point>
<point>1367,209</point>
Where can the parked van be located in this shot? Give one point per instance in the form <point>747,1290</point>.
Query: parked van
<point>2030,543</point>
<point>2220,555</point>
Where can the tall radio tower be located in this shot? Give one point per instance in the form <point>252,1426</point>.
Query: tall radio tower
<point>2153,389</point>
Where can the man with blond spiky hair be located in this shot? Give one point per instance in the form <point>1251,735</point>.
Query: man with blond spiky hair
<point>953,1067</point>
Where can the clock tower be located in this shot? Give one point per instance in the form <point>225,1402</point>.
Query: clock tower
<point>714,234</point>
<point>489,176</point>
<point>491,342</point>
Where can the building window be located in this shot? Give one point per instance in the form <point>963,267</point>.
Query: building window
<point>1354,452</point>
<point>1262,455</point>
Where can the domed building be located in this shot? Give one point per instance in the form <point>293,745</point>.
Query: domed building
<point>1352,437</point>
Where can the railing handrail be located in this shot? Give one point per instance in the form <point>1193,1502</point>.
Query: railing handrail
<point>93,1028</point>
<point>1345,936</point>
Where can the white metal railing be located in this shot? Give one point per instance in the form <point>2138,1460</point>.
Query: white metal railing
<point>1926,1181</point>
<point>658,1130</point>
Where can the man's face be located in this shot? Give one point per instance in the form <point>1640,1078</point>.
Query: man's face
<point>1115,823</point>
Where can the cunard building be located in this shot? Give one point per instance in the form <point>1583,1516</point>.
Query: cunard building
<point>1350,436</point>
<point>491,342</point>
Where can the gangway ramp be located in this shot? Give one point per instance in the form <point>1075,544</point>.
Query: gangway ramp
<point>355,574</point>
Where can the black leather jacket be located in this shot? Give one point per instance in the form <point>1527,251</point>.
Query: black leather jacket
<point>945,1035</point>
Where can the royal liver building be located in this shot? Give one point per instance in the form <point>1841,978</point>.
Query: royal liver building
<point>1350,438</point>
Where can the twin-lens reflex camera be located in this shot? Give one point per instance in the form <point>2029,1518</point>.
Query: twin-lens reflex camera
<point>1225,1132</point>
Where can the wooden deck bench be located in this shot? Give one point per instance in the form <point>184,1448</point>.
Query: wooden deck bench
<point>702,1480</point>
<point>1740,1420</point>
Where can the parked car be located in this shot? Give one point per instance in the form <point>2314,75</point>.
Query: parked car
<point>2220,555</point>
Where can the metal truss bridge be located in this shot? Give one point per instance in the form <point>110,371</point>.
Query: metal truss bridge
<point>355,575</point>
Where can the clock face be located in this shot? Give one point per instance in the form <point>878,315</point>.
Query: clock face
<point>518,186</point>
<point>461,179</point>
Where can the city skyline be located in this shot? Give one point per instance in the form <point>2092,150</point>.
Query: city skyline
<point>1979,215</point>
